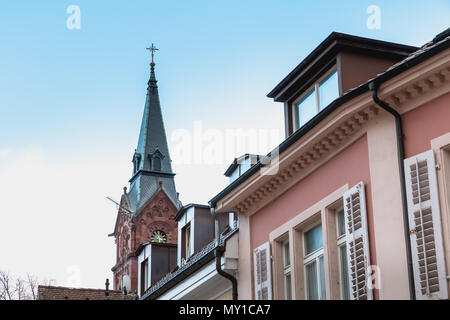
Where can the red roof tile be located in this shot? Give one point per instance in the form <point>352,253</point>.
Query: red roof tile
<point>65,293</point>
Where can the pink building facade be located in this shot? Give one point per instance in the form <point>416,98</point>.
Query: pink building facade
<point>355,203</point>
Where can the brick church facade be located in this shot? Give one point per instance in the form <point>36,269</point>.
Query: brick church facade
<point>147,210</point>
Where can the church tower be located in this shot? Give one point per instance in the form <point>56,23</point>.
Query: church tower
<point>146,212</point>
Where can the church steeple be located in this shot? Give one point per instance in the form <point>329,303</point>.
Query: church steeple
<point>146,212</point>
<point>151,160</point>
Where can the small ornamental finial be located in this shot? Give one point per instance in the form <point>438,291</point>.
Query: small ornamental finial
<point>152,49</point>
<point>124,190</point>
<point>107,287</point>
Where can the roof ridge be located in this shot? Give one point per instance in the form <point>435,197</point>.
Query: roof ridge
<point>73,288</point>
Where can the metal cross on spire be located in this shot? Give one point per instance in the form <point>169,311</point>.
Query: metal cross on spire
<point>152,49</point>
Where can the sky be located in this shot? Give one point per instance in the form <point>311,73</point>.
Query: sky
<point>71,103</point>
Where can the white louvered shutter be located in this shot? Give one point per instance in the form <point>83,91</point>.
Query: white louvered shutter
<point>425,227</point>
<point>262,271</point>
<point>358,255</point>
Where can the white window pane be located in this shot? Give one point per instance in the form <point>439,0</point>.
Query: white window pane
<point>344,272</point>
<point>322,278</point>
<point>245,165</point>
<point>287,258</point>
<point>340,223</point>
<point>307,108</point>
<point>288,286</point>
<point>312,292</point>
<point>313,239</point>
<point>234,175</point>
<point>328,90</point>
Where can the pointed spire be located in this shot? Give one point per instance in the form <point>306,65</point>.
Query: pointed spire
<point>152,81</point>
<point>151,159</point>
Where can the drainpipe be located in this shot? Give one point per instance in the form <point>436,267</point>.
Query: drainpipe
<point>401,156</point>
<point>218,252</point>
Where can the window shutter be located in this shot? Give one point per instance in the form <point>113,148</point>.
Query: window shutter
<point>358,255</point>
<point>425,227</point>
<point>262,271</point>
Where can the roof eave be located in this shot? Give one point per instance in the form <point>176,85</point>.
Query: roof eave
<point>183,209</point>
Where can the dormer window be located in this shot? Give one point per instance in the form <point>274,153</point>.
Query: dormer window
<point>156,160</point>
<point>196,228</point>
<point>241,165</point>
<point>316,98</point>
<point>136,162</point>
<point>339,63</point>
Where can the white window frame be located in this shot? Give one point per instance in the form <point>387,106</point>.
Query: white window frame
<point>341,242</point>
<point>145,265</point>
<point>315,86</point>
<point>287,269</point>
<point>313,257</point>
<point>187,241</point>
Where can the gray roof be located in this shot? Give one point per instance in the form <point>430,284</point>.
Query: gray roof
<point>152,136</point>
<point>152,142</point>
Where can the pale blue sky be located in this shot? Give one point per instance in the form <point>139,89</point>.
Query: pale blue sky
<point>71,102</point>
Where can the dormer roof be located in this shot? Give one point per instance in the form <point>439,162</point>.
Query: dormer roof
<point>181,212</point>
<point>324,56</point>
<point>238,160</point>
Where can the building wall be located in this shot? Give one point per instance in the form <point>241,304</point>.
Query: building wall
<point>163,261</point>
<point>428,127</point>
<point>373,160</point>
<point>348,167</point>
<point>204,228</point>
<point>356,68</point>
<point>425,123</point>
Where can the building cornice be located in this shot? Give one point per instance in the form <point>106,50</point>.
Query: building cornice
<point>151,173</point>
<point>419,84</point>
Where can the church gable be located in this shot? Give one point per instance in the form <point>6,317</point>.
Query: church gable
<point>157,216</point>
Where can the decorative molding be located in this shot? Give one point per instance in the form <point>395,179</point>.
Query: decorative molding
<point>296,169</point>
<point>409,97</point>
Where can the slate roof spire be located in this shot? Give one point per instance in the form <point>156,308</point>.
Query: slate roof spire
<point>151,159</point>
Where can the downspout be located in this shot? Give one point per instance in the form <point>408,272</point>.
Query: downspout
<point>401,156</point>
<point>218,252</point>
